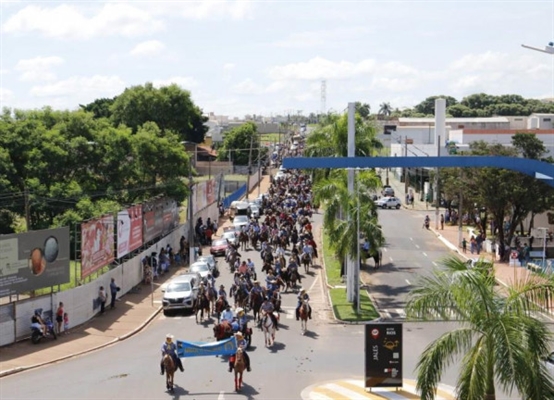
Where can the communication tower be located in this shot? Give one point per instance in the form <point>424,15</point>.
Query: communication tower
<point>323,97</point>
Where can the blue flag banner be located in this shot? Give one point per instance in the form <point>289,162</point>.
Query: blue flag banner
<point>200,349</point>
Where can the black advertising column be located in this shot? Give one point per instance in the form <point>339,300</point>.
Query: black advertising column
<point>383,355</point>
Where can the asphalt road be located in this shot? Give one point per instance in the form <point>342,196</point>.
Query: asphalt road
<point>130,369</point>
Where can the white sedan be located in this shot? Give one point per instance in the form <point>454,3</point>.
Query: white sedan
<point>389,202</point>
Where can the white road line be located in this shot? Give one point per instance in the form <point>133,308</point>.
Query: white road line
<point>313,284</point>
<point>221,395</point>
<point>434,263</point>
<point>386,314</point>
<point>417,246</point>
<point>401,312</point>
<point>385,249</point>
<point>412,239</point>
<point>408,282</point>
<point>157,301</point>
<point>425,254</point>
<point>391,260</point>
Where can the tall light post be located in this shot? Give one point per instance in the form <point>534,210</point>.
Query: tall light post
<point>192,247</point>
<point>358,266</point>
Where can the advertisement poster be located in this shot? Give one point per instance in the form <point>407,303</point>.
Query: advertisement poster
<point>152,220</point>
<point>97,244</point>
<point>33,260</point>
<point>129,230</point>
<point>383,355</point>
<point>170,216</point>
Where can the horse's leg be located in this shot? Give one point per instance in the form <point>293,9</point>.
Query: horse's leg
<point>240,380</point>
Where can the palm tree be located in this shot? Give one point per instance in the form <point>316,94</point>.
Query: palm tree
<point>339,201</point>
<point>385,109</point>
<point>498,339</point>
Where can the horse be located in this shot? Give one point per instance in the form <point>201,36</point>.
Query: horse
<point>254,237</point>
<point>256,301</point>
<point>240,296</point>
<point>269,329</point>
<point>243,240</point>
<point>223,330</point>
<point>377,258</point>
<point>201,304</point>
<point>267,268</point>
<point>307,262</point>
<point>211,294</point>
<point>303,313</point>
<point>219,306</point>
<point>239,366</point>
<point>169,367</point>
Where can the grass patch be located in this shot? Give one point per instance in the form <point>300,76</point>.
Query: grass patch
<point>74,270</point>
<point>346,311</point>
<point>332,265</point>
<point>270,137</point>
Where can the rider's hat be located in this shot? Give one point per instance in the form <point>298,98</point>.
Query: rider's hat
<point>256,282</point>
<point>302,290</point>
<point>169,336</point>
<point>239,334</point>
<point>222,286</point>
<point>240,310</point>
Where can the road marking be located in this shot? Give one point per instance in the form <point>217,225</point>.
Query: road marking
<point>157,301</point>
<point>385,249</point>
<point>412,239</point>
<point>434,263</point>
<point>391,260</point>
<point>417,246</point>
<point>408,282</point>
<point>386,314</point>
<point>425,254</point>
<point>401,313</point>
<point>221,395</point>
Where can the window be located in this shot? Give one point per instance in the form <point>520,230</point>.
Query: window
<point>546,120</point>
<point>460,127</point>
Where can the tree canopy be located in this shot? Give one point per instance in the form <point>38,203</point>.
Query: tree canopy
<point>238,142</point>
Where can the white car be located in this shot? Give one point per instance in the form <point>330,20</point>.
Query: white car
<point>210,260</point>
<point>231,236</point>
<point>254,211</point>
<point>239,221</point>
<point>180,292</point>
<point>389,202</point>
<point>200,267</point>
<point>280,175</point>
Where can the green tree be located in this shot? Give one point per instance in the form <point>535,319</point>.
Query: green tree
<point>385,109</point>
<point>529,145</point>
<point>237,144</point>
<point>461,111</point>
<point>363,109</point>
<point>100,108</point>
<point>427,106</point>
<point>498,337</point>
<point>170,107</point>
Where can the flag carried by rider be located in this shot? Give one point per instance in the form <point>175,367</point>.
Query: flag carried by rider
<point>202,349</point>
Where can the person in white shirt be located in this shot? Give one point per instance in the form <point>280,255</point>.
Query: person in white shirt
<point>227,315</point>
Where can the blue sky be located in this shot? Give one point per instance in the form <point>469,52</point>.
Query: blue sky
<point>242,57</point>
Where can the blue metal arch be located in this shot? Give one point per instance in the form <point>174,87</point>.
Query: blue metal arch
<point>538,169</point>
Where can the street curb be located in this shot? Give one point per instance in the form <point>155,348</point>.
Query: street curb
<point>118,339</point>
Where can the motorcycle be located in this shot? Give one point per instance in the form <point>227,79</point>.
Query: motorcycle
<point>37,334</point>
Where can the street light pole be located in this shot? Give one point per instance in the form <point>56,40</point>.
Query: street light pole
<point>192,247</point>
<point>358,266</point>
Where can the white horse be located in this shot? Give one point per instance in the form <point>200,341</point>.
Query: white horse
<point>269,329</point>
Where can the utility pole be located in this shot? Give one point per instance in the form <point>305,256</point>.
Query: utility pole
<point>192,244</point>
<point>249,167</point>
<point>460,209</point>
<point>27,209</point>
<point>259,173</point>
<point>405,169</point>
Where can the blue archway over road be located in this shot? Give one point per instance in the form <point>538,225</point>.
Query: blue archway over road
<point>537,169</point>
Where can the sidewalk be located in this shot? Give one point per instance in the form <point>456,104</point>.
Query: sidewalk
<point>505,274</point>
<point>132,313</point>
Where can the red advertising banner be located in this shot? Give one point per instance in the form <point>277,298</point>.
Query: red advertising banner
<point>152,220</point>
<point>129,230</point>
<point>97,244</point>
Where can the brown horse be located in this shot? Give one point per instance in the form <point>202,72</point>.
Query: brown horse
<point>239,366</point>
<point>243,240</point>
<point>211,294</point>
<point>219,307</point>
<point>223,330</point>
<point>303,313</point>
<point>169,367</point>
<point>256,301</point>
<point>201,304</point>
<point>307,262</point>
<point>254,237</point>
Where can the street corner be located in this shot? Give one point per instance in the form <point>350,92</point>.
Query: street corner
<point>354,389</point>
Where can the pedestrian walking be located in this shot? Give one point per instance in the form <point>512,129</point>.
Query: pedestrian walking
<point>442,222</point>
<point>59,317</point>
<point>464,245</point>
<point>113,292</point>
<point>102,297</point>
<point>65,323</point>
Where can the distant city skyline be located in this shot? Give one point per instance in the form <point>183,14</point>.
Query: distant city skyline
<point>241,57</point>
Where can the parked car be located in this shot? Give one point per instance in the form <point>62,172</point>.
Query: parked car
<point>210,260</point>
<point>239,221</point>
<point>280,175</point>
<point>387,191</point>
<point>231,236</point>
<point>389,202</point>
<point>180,293</point>
<point>200,267</point>
<point>549,362</point>
<point>254,211</point>
<point>219,246</point>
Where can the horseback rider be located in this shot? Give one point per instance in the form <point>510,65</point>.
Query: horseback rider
<point>303,296</point>
<point>307,249</point>
<point>241,320</point>
<point>242,344</point>
<point>267,307</point>
<point>170,348</point>
<point>256,289</point>
<point>251,268</point>
<point>279,251</point>
<point>293,269</point>
<point>222,293</point>
<point>227,315</point>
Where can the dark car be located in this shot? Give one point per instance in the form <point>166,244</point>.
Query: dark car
<point>219,246</point>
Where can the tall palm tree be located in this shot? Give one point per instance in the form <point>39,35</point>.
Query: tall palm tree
<point>338,200</point>
<point>499,339</point>
<point>385,109</point>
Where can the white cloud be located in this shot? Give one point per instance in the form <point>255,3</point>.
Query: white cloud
<point>248,86</point>
<point>70,22</point>
<point>325,38</point>
<point>228,66</point>
<point>148,48</point>
<point>321,68</point>
<point>83,86</point>
<point>205,9</point>
<point>38,68</point>
<point>5,96</point>
<point>186,82</point>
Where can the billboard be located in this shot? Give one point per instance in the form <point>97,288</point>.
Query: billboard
<point>129,230</point>
<point>201,197</point>
<point>152,220</point>
<point>170,216</point>
<point>383,355</point>
<point>33,260</point>
<point>97,244</point>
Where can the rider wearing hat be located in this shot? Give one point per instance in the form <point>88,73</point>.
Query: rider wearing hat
<point>170,348</point>
<point>242,344</point>
<point>301,297</point>
<point>222,294</point>
<point>268,308</point>
<point>256,289</point>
